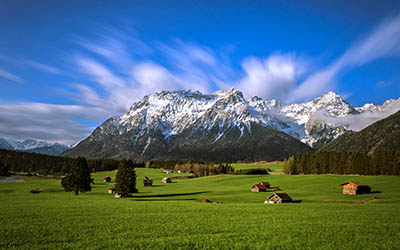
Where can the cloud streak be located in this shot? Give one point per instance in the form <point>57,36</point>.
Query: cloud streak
<point>9,76</point>
<point>46,121</point>
<point>383,41</point>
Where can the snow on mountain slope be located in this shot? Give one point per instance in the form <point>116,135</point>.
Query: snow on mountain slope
<point>31,145</point>
<point>28,144</point>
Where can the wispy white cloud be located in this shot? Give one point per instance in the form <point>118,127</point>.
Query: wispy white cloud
<point>384,84</point>
<point>383,41</point>
<point>273,77</point>
<point>46,121</point>
<point>9,76</point>
<point>27,63</point>
<point>42,67</point>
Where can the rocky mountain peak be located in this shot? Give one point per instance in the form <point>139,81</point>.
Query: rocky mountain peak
<point>166,115</point>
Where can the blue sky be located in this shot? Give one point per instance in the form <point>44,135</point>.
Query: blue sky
<point>66,66</point>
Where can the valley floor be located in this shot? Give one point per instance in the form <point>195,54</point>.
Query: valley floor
<point>171,216</point>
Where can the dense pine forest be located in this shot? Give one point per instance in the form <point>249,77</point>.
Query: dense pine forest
<point>329,162</point>
<point>33,163</point>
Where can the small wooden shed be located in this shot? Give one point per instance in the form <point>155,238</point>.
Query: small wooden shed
<point>147,182</point>
<point>355,187</point>
<point>107,179</point>
<point>279,198</point>
<point>166,180</point>
<point>259,188</point>
<point>112,190</point>
<point>266,183</point>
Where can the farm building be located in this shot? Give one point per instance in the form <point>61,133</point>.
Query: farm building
<point>278,198</point>
<point>354,188</point>
<point>166,180</point>
<point>112,190</point>
<point>107,179</point>
<point>147,182</point>
<point>259,188</point>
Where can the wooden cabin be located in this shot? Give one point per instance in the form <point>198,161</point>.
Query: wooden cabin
<point>112,190</point>
<point>259,188</point>
<point>147,182</point>
<point>279,198</point>
<point>266,183</point>
<point>355,187</point>
<point>166,180</point>
<point>107,179</point>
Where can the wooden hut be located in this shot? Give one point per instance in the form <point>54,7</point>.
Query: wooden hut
<point>279,198</point>
<point>112,190</point>
<point>147,182</point>
<point>355,187</point>
<point>107,179</point>
<point>166,180</point>
<point>259,188</point>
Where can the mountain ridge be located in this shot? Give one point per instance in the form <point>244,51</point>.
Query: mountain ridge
<point>34,146</point>
<point>163,117</point>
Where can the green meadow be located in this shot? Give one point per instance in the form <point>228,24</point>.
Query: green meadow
<point>172,216</point>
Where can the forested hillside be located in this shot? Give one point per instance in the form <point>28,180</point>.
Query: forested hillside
<point>383,135</point>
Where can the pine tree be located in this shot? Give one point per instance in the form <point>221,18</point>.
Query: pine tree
<point>126,178</point>
<point>4,170</point>
<point>78,179</point>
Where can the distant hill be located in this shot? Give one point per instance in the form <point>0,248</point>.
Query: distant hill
<point>383,135</point>
<point>33,146</point>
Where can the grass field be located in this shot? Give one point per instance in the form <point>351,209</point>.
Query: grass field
<point>276,166</point>
<point>171,216</point>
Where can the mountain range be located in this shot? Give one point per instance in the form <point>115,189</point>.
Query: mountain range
<point>225,126</point>
<point>35,146</point>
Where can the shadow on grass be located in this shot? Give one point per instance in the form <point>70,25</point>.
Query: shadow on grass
<point>296,201</point>
<point>170,195</point>
<point>375,192</point>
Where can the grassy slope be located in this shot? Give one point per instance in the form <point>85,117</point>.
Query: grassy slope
<point>170,216</point>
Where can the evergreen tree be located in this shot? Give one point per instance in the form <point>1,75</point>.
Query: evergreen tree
<point>126,178</point>
<point>4,170</point>
<point>78,179</point>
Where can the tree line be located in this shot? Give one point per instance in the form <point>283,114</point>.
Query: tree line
<point>203,169</point>
<point>34,163</point>
<point>165,164</point>
<point>330,162</point>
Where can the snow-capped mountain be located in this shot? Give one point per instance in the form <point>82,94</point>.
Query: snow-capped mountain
<point>28,144</point>
<point>31,145</point>
<point>164,123</point>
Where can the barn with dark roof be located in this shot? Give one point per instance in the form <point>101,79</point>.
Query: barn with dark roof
<point>279,198</point>
<point>259,188</point>
<point>355,187</point>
